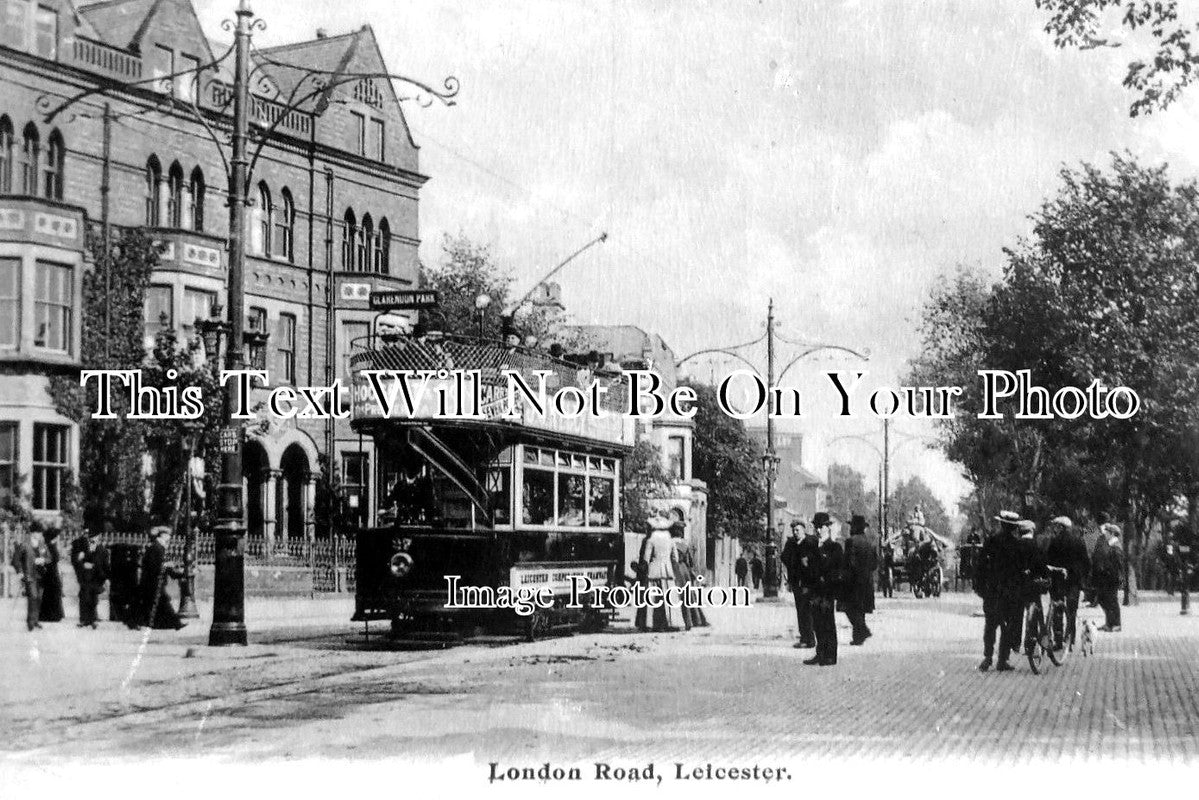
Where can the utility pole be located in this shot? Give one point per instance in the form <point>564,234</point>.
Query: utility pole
<point>771,579</point>
<point>886,473</point>
<point>229,582</point>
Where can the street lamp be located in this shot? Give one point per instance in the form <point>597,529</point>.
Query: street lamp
<point>770,459</point>
<point>481,304</point>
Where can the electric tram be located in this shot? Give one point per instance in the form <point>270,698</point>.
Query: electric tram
<point>507,498</point>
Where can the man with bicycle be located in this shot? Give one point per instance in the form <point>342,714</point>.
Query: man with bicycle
<point>1000,583</point>
<point>1068,552</point>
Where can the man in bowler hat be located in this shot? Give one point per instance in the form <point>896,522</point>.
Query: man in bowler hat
<point>860,563</point>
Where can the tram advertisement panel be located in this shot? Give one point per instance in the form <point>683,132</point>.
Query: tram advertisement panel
<point>556,578</point>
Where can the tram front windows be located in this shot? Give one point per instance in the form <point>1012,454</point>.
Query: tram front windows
<point>538,496</point>
<point>499,493</point>
<point>572,500</point>
<point>600,502</point>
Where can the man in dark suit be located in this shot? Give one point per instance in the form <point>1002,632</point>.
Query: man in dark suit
<point>828,589</point>
<point>1107,575</point>
<point>30,559</point>
<point>1067,551</point>
<point>90,559</point>
<point>860,563</point>
<point>799,556</point>
<point>741,569</point>
<point>999,581</point>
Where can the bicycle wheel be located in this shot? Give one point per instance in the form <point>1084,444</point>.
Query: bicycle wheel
<point>1033,636</point>
<point>1055,646</point>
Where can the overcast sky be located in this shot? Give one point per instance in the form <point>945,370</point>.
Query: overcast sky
<point>834,156</point>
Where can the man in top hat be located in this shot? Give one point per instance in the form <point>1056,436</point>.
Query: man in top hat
<point>999,582</point>
<point>90,560</point>
<point>828,589</point>
<point>800,555</point>
<point>1066,551</point>
<point>860,563</point>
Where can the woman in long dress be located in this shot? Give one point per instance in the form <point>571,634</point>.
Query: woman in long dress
<point>693,615</point>
<point>52,610</point>
<point>661,562</point>
<point>156,609</point>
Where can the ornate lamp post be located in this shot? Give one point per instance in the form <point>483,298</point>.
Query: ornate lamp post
<point>228,622</point>
<point>770,460</point>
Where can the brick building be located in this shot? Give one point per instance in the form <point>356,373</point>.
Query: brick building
<point>335,192</point>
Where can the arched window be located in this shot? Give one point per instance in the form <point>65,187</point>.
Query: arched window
<point>175,196</point>
<point>30,148</point>
<point>264,212</point>
<point>56,150</point>
<point>366,236</point>
<point>195,200</point>
<point>349,232</point>
<point>285,220</point>
<point>383,248</point>
<point>5,155</point>
<point>153,192</point>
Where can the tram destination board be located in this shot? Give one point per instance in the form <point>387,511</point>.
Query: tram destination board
<point>404,300</point>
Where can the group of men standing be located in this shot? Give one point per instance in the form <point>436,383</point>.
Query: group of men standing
<point>36,561</point>
<point>826,576</point>
<point>1013,567</point>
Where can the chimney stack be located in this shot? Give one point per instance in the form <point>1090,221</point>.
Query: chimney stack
<point>321,33</point>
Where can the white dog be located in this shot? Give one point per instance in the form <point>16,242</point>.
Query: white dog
<point>1088,637</point>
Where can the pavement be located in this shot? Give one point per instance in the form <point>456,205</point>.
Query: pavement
<point>311,687</point>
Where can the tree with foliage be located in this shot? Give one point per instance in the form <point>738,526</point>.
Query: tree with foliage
<point>642,480</point>
<point>1104,290</point>
<point>1158,78</point>
<point>111,482</point>
<point>729,460</point>
<point>847,494</point>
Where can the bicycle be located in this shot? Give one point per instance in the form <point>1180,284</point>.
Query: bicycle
<point>1041,639</point>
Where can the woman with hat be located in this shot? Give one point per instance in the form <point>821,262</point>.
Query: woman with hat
<point>693,615</point>
<point>52,610</point>
<point>156,608</point>
<point>661,561</point>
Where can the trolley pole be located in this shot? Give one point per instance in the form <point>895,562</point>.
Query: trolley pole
<point>229,580</point>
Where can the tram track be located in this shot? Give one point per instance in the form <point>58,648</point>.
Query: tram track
<point>41,734</point>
